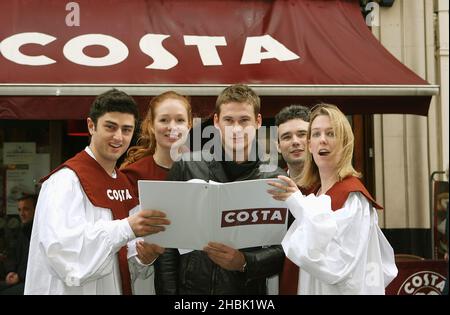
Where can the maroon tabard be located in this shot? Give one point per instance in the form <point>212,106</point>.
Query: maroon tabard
<point>339,193</point>
<point>105,192</point>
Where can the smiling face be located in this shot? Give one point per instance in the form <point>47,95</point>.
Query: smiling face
<point>292,141</point>
<point>111,137</point>
<point>237,124</point>
<point>171,124</point>
<point>323,144</point>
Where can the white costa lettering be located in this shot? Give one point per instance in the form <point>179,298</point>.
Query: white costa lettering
<point>229,217</point>
<point>423,283</point>
<point>73,50</point>
<point>273,49</point>
<point>257,48</point>
<point>207,48</point>
<point>276,216</point>
<point>253,216</point>
<point>10,48</point>
<point>242,216</point>
<point>120,195</point>
<point>265,213</point>
<point>151,44</point>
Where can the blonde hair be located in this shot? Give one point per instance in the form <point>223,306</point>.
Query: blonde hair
<point>345,141</point>
<point>146,144</point>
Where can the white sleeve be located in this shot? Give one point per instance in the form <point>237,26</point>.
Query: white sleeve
<point>79,241</point>
<point>131,246</point>
<point>327,244</point>
<point>137,268</point>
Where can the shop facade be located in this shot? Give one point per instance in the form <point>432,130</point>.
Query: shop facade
<point>385,66</point>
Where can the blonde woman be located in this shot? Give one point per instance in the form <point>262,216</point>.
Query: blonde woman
<point>335,238</point>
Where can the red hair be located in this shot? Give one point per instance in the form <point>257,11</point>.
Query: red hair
<point>146,144</point>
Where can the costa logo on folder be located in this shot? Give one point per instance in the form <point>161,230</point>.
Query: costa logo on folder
<point>253,216</point>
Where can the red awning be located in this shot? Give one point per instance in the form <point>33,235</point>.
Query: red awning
<point>301,51</point>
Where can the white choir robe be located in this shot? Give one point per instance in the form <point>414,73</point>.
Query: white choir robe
<point>74,245</point>
<point>338,252</point>
<point>142,276</point>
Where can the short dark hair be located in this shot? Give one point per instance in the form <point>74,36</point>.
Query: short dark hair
<point>113,101</point>
<point>292,112</point>
<point>32,197</point>
<point>239,93</point>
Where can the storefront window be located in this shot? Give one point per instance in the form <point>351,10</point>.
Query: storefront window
<point>24,156</point>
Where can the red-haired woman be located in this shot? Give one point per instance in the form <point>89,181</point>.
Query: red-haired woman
<point>163,134</point>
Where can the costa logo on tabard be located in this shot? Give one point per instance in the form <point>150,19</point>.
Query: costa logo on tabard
<point>118,194</point>
<point>423,283</point>
<point>253,216</point>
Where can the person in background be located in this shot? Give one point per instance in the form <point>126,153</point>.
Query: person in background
<point>16,263</point>
<point>335,238</point>
<point>292,123</point>
<point>163,134</point>
<point>82,223</point>
<point>220,269</point>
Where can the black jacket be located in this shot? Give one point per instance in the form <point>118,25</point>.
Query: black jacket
<point>195,273</point>
<point>18,258</point>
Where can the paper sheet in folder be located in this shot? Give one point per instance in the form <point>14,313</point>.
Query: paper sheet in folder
<point>238,214</point>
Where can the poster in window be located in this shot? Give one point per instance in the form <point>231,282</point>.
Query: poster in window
<point>19,181</point>
<point>18,152</point>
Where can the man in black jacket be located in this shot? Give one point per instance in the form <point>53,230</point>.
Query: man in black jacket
<point>16,263</point>
<point>220,269</point>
